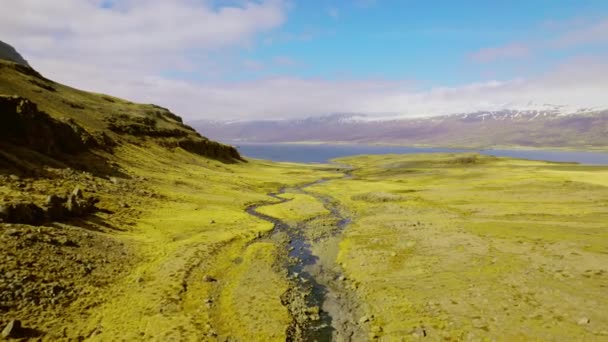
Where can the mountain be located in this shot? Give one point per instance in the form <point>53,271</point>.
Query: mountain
<point>547,126</point>
<point>9,53</point>
<point>46,123</point>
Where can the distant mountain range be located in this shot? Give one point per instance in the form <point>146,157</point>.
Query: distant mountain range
<point>544,127</point>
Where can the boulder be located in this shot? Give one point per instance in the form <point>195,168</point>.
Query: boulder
<point>209,279</point>
<point>4,212</point>
<point>11,329</point>
<point>77,193</point>
<point>55,207</point>
<point>27,213</point>
<point>74,206</point>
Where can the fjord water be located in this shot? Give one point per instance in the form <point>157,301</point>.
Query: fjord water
<point>322,153</point>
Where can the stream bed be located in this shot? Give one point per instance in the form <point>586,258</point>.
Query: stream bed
<point>316,275</point>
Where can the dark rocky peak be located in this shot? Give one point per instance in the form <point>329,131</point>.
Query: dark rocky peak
<point>9,53</point>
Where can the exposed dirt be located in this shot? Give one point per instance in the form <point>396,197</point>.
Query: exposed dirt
<point>61,266</point>
<point>46,269</point>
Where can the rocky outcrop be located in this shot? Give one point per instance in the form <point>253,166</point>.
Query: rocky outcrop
<point>210,149</point>
<point>9,53</point>
<point>24,125</point>
<point>57,208</point>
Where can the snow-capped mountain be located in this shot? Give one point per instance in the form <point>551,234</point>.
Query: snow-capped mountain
<point>546,125</point>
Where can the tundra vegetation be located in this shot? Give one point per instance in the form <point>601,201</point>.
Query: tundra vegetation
<point>119,222</point>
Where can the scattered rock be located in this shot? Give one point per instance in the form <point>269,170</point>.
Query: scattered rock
<point>55,207</point>
<point>11,329</point>
<point>27,213</point>
<point>74,206</point>
<point>313,313</point>
<point>583,321</point>
<point>209,279</point>
<point>364,319</point>
<point>13,232</point>
<point>4,212</point>
<point>419,332</point>
<point>77,193</point>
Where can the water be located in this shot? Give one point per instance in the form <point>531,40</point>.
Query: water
<point>325,152</point>
<point>301,254</point>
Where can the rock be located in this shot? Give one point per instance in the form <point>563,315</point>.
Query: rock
<point>14,177</point>
<point>79,207</point>
<point>73,206</point>
<point>364,319</point>
<point>13,232</point>
<point>419,332</point>
<point>583,321</point>
<point>313,310</point>
<point>209,279</point>
<point>11,329</point>
<point>212,221</point>
<point>55,207</point>
<point>77,192</point>
<point>4,212</point>
<point>27,213</point>
<point>341,278</point>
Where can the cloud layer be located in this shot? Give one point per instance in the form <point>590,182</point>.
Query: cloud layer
<point>137,48</point>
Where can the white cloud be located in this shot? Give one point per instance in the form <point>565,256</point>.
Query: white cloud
<point>126,50</point>
<point>80,43</point>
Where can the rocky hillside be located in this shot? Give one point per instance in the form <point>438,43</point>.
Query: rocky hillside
<point>530,128</point>
<point>72,166</point>
<point>46,123</point>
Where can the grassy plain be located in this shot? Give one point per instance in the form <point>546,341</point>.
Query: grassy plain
<point>202,277</point>
<point>470,247</point>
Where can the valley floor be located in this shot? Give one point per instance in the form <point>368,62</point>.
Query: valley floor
<point>443,246</point>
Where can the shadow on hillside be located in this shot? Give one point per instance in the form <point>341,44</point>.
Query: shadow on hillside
<point>25,162</point>
<point>94,223</point>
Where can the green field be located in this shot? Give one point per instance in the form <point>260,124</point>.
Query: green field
<point>469,247</point>
<point>398,247</point>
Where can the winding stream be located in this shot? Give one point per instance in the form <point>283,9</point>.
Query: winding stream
<point>303,265</point>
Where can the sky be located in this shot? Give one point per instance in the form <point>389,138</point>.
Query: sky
<point>282,59</point>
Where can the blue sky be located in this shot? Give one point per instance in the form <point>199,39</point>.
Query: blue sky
<point>427,41</point>
<point>277,59</point>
